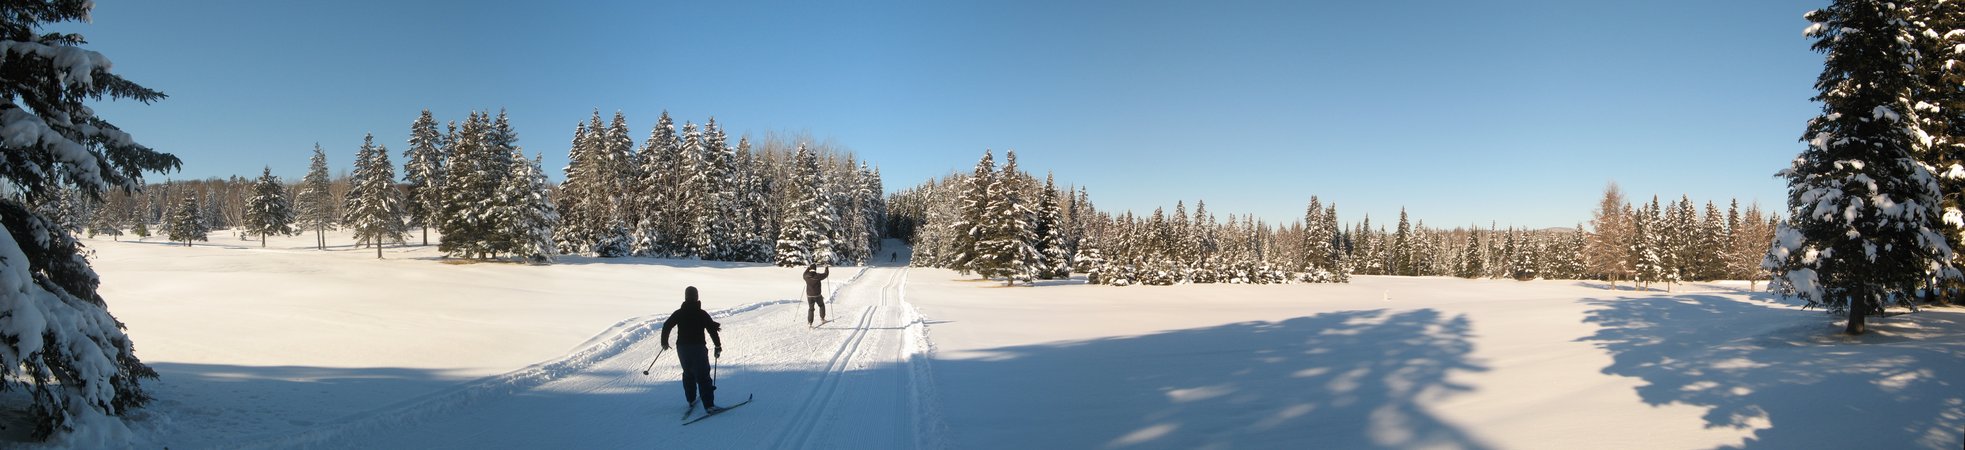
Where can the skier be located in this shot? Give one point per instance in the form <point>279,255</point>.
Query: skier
<point>693,321</point>
<point>813,297</point>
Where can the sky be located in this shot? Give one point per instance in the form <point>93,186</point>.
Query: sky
<point>1509,112</point>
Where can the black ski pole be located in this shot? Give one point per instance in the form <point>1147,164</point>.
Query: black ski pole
<point>651,363</point>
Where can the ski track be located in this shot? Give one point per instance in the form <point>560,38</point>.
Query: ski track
<point>819,405</point>
<point>867,386</point>
<point>610,344</point>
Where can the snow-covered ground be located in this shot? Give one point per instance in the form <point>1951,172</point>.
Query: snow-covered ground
<point>291,346</point>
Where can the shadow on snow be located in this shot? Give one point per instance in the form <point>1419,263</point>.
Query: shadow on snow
<point>1791,375</point>
<point>1351,379</point>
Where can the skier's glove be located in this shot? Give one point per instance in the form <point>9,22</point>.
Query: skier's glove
<point>719,352</point>
<point>665,346</point>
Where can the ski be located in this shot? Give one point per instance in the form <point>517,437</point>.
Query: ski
<point>707,413</point>
<point>687,412</point>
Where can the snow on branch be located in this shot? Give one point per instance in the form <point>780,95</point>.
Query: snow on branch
<point>74,66</point>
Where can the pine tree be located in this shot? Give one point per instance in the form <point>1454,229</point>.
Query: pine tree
<point>187,223</point>
<point>269,212</point>
<point>758,230</point>
<point>1050,233</point>
<point>693,216</point>
<point>74,361</point>
<point>1860,226</point>
<point>873,195</point>
<point>806,237</point>
<point>109,217</point>
<point>1710,245</point>
<point>590,199</point>
<point>968,230</point>
<point>1337,263</point>
<point>316,199</point>
<point>1007,234</point>
<point>526,216</point>
<point>1647,258</point>
<point>1402,248</point>
<point>716,208</point>
<point>1313,253</point>
<point>423,175</point>
<point>475,169</point>
<point>374,205</point>
<point>656,228</point>
<point>1939,116</point>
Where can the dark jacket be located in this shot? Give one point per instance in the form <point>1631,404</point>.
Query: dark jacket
<point>693,321</point>
<point>812,278</point>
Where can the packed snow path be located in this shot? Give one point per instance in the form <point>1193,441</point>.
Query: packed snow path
<point>855,382</point>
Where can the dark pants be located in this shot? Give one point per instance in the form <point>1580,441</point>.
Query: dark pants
<point>814,301</point>
<point>696,374</point>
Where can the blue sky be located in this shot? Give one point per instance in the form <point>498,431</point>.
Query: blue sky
<point>1461,112</point>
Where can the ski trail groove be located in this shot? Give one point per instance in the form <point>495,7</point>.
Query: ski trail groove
<point>608,344</point>
<point>816,407</point>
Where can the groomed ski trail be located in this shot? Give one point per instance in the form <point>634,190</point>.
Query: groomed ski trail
<point>861,381</point>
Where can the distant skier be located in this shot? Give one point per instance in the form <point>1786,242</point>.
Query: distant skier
<point>694,321</point>
<point>813,297</point>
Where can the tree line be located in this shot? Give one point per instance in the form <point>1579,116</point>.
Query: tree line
<point>1004,224</point>
<point>680,194</point>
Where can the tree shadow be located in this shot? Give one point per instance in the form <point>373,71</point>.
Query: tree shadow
<point>1352,379</point>
<point>1788,375</point>
<point>213,405</point>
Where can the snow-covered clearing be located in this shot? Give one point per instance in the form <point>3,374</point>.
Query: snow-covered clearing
<point>291,346</point>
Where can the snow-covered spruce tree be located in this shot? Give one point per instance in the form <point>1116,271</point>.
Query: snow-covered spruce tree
<point>187,223</point>
<point>269,212</point>
<point>471,178</point>
<point>1939,116</point>
<point>693,198</point>
<point>423,175</point>
<point>1646,261</point>
<point>1339,262</point>
<point>1861,228</point>
<point>1710,245</point>
<point>1316,251</point>
<point>527,216</point>
<point>1050,233</point>
<point>806,237</point>
<point>967,230</point>
<point>850,242</point>
<point>316,199</point>
<point>873,194</point>
<point>374,205</point>
<point>617,145</point>
<point>1680,239</point>
<point>59,343</point>
<point>1402,248</point>
<point>1007,235</point>
<point>587,199</point>
<point>1471,262</point>
<point>758,230</point>
<point>713,236</point>
<point>657,199</point>
<point>109,216</point>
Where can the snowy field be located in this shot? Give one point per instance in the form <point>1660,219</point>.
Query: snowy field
<point>294,347</point>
